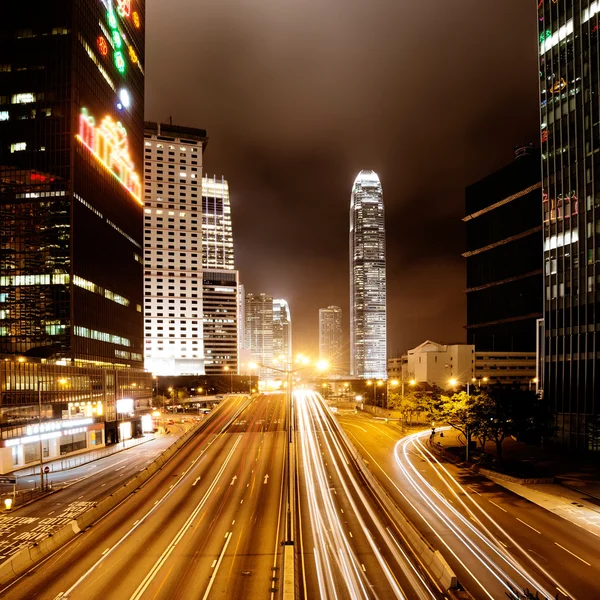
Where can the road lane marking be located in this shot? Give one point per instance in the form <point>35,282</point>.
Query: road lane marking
<point>197,480</point>
<point>573,554</point>
<point>214,562</point>
<point>266,479</point>
<point>233,522</point>
<point>214,573</point>
<point>492,502</point>
<point>137,522</point>
<point>105,551</point>
<point>350,534</point>
<point>233,480</point>
<point>51,512</point>
<point>363,567</point>
<point>530,527</point>
<point>474,491</point>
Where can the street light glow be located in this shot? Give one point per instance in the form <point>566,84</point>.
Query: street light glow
<point>412,382</point>
<point>322,365</point>
<point>394,382</point>
<point>453,382</point>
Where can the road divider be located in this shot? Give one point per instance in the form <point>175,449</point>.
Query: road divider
<point>24,559</point>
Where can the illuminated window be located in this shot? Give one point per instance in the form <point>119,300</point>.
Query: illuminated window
<point>4,115</point>
<point>24,98</point>
<point>18,147</point>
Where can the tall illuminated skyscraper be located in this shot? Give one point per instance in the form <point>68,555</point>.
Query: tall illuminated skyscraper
<point>71,191</point>
<point>368,355</point>
<point>569,89</point>
<point>259,330</point>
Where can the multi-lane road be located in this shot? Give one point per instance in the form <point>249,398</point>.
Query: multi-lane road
<point>493,539</point>
<point>205,525</point>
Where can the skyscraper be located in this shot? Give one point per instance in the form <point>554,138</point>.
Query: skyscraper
<point>569,90</point>
<point>259,330</point>
<point>504,256</point>
<point>71,139</point>
<point>331,339</point>
<point>173,281</point>
<point>217,234</point>
<point>282,331</point>
<point>367,278</point>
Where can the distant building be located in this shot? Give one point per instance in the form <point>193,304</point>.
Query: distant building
<point>217,232</point>
<point>173,250</point>
<point>282,331</point>
<point>504,256</point>
<point>432,364</point>
<point>331,338</point>
<point>367,278</point>
<point>259,330</point>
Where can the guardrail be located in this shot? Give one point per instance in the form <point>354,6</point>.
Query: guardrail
<point>431,559</point>
<point>23,560</point>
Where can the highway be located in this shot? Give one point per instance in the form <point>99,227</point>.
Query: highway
<point>493,539</point>
<point>206,525</point>
<point>349,549</point>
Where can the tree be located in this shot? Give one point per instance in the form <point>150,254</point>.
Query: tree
<point>161,401</point>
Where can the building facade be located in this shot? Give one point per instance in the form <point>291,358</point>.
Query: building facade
<point>259,330</point>
<point>71,139</point>
<point>569,76</point>
<point>504,256</point>
<point>282,331</point>
<point>331,338</point>
<point>217,233</point>
<point>367,278</point>
<point>173,251</point>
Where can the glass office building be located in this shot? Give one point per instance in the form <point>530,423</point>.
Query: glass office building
<point>368,357</point>
<point>71,139</point>
<point>569,72</point>
<point>282,331</point>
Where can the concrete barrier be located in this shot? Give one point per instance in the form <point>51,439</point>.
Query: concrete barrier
<point>432,559</point>
<point>24,559</point>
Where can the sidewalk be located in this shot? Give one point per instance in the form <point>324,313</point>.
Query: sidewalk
<point>575,493</point>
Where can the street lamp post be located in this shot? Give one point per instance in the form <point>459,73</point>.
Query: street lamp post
<point>39,390</point>
<point>226,368</point>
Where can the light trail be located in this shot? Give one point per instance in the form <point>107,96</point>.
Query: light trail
<point>334,553</point>
<point>501,565</point>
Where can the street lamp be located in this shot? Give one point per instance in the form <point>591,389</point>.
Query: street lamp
<point>251,367</point>
<point>227,369</point>
<point>534,380</point>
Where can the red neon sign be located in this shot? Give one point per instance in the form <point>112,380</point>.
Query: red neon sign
<point>102,45</point>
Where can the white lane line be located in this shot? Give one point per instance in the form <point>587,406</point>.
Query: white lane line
<point>573,554</point>
<point>105,551</point>
<point>530,527</point>
<point>80,497</point>
<point>137,522</point>
<point>233,522</point>
<point>350,534</point>
<point>213,575</point>
<point>197,480</point>
<point>51,512</point>
<point>214,562</point>
<point>363,567</point>
<point>266,479</point>
<point>474,491</point>
<point>497,505</point>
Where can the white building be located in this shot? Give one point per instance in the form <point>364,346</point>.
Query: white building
<point>282,331</point>
<point>259,330</point>
<point>173,250</point>
<point>434,364</point>
<point>367,278</point>
<point>331,338</point>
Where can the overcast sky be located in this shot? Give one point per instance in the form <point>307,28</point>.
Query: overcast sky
<point>297,96</point>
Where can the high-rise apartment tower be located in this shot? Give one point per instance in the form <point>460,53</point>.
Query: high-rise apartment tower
<point>569,76</point>
<point>367,278</point>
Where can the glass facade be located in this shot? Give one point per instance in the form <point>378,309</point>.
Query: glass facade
<point>504,256</point>
<point>569,72</point>
<point>259,330</point>
<point>71,139</point>
<point>217,235</point>
<point>368,356</point>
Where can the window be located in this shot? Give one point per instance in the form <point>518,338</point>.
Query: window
<point>4,115</point>
<point>18,147</point>
<point>24,98</point>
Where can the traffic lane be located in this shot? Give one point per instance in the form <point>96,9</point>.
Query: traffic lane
<point>188,566</point>
<point>355,501</point>
<point>33,522</point>
<point>166,534</point>
<point>546,541</point>
<point>59,571</point>
<point>462,557</point>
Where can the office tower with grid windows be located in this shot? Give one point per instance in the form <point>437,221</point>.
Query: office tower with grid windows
<point>173,274</point>
<point>569,72</point>
<point>368,357</point>
<point>259,331</point>
<point>71,139</point>
<point>331,338</point>
<point>282,331</point>
<point>219,280</point>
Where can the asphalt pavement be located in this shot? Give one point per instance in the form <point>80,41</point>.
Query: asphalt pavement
<point>492,538</point>
<point>205,525</point>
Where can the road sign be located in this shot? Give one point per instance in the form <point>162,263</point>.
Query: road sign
<point>8,479</point>
<point>46,469</point>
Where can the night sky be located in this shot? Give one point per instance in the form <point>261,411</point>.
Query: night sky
<point>297,96</point>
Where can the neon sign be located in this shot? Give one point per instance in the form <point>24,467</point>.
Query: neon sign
<point>108,143</point>
<point>136,19</point>
<point>102,45</point>
<point>124,7</point>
